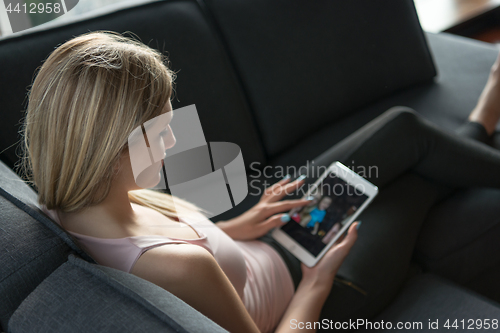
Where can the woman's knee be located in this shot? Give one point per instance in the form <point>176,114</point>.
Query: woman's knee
<point>402,111</point>
<point>402,116</point>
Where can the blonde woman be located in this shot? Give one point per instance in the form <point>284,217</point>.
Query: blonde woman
<point>95,89</point>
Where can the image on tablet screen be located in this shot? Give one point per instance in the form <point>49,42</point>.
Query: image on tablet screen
<point>316,224</point>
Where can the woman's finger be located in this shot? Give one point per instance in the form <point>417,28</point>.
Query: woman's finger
<point>284,206</point>
<point>349,239</point>
<point>275,221</point>
<point>274,188</point>
<point>280,192</point>
<point>341,238</point>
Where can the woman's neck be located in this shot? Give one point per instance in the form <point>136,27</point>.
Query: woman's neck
<point>116,207</point>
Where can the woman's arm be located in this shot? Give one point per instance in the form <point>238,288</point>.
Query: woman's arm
<point>315,286</point>
<point>258,220</point>
<point>305,306</point>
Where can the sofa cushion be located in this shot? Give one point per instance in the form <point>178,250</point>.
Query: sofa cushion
<point>423,295</point>
<point>320,60</point>
<point>454,243</point>
<point>176,28</point>
<point>83,297</point>
<point>31,246</point>
<point>16,191</point>
<point>487,284</point>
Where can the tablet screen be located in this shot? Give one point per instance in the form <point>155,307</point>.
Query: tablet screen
<point>316,224</point>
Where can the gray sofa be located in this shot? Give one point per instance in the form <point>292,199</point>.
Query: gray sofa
<point>253,68</point>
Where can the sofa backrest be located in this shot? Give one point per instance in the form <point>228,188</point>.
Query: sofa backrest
<point>263,74</point>
<point>31,245</point>
<point>305,64</point>
<point>177,28</point>
<point>83,297</point>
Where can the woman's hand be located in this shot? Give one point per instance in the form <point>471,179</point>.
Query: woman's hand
<point>316,285</point>
<point>325,270</point>
<point>262,217</point>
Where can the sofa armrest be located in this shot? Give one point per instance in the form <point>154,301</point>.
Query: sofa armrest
<point>84,297</point>
<point>428,298</point>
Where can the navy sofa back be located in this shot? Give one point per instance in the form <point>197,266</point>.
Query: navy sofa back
<point>304,64</point>
<point>263,74</point>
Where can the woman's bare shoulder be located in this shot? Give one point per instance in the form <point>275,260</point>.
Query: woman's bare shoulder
<point>191,273</point>
<point>171,262</point>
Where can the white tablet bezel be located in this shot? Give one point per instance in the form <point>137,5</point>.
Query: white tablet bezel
<point>350,177</point>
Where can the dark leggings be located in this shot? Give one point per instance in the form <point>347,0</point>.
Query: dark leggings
<point>418,165</point>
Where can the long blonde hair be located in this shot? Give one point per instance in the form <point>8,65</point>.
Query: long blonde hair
<point>86,99</point>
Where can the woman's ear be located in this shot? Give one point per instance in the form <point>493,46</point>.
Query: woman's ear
<point>124,156</point>
<point>116,166</point>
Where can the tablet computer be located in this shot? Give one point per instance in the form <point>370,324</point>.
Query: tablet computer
<point>339,196</point>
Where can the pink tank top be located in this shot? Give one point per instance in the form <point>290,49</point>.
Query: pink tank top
<point>256,270</point>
